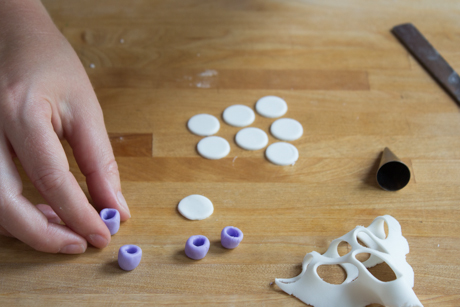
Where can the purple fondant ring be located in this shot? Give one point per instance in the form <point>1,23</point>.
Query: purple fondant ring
<point>197,247</point>
<point>129,257</point>
<point>111,218</point>
<point>231,237</point>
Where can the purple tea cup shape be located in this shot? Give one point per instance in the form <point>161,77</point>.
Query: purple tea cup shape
<point>111,218</point>
<point>129,257</point>
<point>230,237</point>
<point>197,247</point>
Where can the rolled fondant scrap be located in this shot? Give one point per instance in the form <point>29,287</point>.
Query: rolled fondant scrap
<point>129,257</point>
<point>360,287</point>
<point>197,247</point>
<point>231,237</point>
<point>111,218</point>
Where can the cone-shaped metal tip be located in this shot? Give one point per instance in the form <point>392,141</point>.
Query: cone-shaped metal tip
<point>392,175</point>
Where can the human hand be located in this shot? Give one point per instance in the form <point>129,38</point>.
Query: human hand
<point>45,95</point>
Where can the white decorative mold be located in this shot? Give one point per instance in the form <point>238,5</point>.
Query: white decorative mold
<point>360,288</point>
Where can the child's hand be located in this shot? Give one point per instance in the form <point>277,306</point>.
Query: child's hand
<point>46,95</point>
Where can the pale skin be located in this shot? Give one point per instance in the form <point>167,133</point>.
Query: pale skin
<point>45,96</point>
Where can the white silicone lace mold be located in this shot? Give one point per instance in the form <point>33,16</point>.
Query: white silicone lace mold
<point>360,287</point>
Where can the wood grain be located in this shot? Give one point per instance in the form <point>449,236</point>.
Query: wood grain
<point>345,78</point>
<point>124,145</point>
<point>131,145</point>
<point>230,79</point>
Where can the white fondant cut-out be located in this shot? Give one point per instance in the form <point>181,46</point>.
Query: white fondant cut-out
<point>281,153</point>
<point>286,129</point>
<point>271,106</point>
<point>195,207</point>
<point>251,138</point>
<point>213,147</point>
<point>203,124</point>
<point>239,115</point>
<point>360,288</point>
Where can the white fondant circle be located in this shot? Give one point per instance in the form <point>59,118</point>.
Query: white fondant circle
<point>271,106</point>
<point>195,207</point>
<point>213,147</point>
<point>238,115</point>
<point>251,138</point>
<point>282,153</point>
<point>286,129</point>
<point>203,124</point>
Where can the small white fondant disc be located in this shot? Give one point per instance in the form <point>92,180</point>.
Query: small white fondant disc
<point>195,207</point>
<point>203,124</point>
<point>239,115</point>
<point>251,138</point>
<point>286,129</point>
<point>282,153</point>
<point>213,147</point>
<point>271,106</point>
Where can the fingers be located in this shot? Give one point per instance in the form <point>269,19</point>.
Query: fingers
<point>5,233</point>
<point>42,156</point>
<point>20,219</point>
<point>92,150</point>
<point>49,213</point>
<point>25,222</point>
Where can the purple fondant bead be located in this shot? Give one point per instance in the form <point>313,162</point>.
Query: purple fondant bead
<point>231,237</point>
<point>197,247</point>
<point>111,218</point>
<point>129,257</point>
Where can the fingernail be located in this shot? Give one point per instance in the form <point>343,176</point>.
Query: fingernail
<point>55,220</point>
<point>123,203</point>
<point>98,241</point>
<point>73,249</point>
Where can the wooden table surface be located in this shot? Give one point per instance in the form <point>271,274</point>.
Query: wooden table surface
<point>345,78</point>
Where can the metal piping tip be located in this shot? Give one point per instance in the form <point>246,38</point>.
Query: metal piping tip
<point>393,174</point>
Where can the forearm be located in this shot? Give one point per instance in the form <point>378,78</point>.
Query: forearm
<point>24,19</point>
<point>28,37</point>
